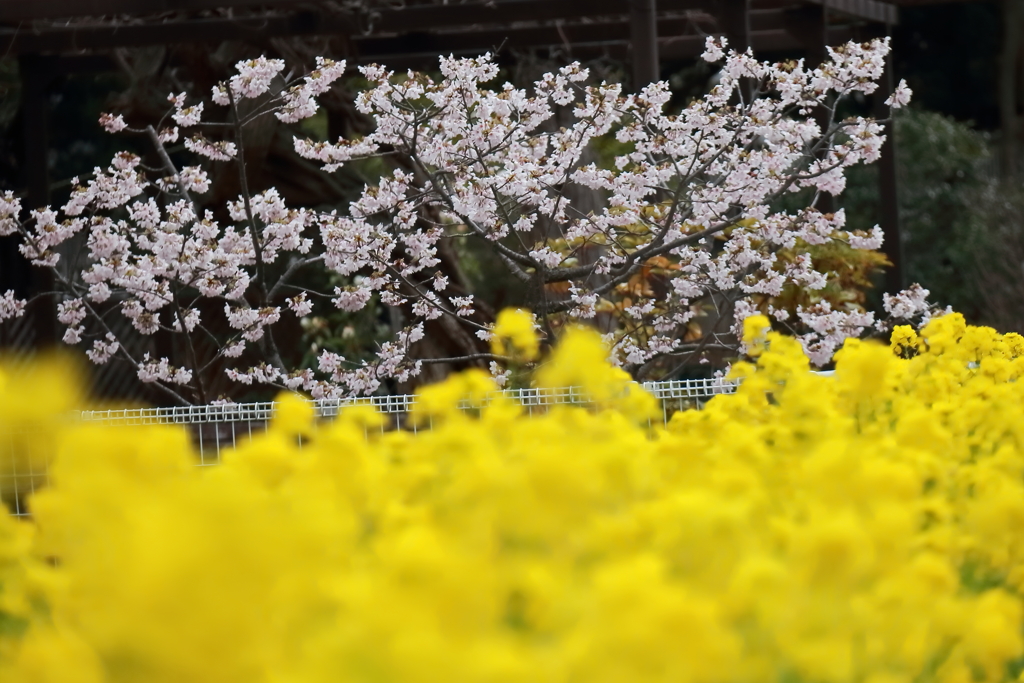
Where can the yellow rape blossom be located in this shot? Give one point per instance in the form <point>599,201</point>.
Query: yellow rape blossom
<point>35,399</point>
<point>861,528</point>
<point>513,335</point>
<point>755,329</point>
<point>581,360</point>
<point>904,341</point>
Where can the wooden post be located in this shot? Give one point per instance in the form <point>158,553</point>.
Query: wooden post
<point>36,77</point>
<point>14,274</point>
<point>810,24</point>
<point>889,218</point>
<point>817,42</point>
<point>734,20</point>
<point>1008,94</point>
<point>643,35</point>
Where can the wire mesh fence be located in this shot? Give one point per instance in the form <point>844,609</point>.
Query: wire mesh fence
<point>216,428</point>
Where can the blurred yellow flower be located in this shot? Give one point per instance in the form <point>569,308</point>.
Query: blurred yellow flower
<point>514,335</point>
<point>755,329</point>
<point>862,528</point>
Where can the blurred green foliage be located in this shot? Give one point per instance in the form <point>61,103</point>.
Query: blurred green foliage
<point>944,170</point>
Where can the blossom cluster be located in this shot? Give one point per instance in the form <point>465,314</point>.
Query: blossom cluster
<point>861,527</point>
<point>685,238</point>
<point>492,167</point>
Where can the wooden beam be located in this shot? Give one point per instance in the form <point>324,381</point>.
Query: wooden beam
<point>767,19</point>
<point>868,10</point>
<point>419,18</point>
<point>864,10</point>
<point>29,10</point>
<point>670,48</point>
<point>463,42</point>
<point>680,36</point>
<point>95,36</point>
<point>74,39</point>
<point>401,19</point>
<point>382,19</point>
<point>78,38</point>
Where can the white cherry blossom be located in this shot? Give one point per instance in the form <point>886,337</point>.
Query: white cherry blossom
<point>686,226</point>
<point>10,306</point>
<point>112,123</point>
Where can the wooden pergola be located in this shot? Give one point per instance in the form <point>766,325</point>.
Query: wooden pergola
<point>414,32</point>
<point>55,37</point>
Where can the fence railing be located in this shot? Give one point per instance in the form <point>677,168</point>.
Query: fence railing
<point>215,428</point>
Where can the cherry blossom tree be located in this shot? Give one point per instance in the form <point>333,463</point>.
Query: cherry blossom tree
<point>689,229</point>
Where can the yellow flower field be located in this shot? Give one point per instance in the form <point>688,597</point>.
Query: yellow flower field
<point>861,528</point>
